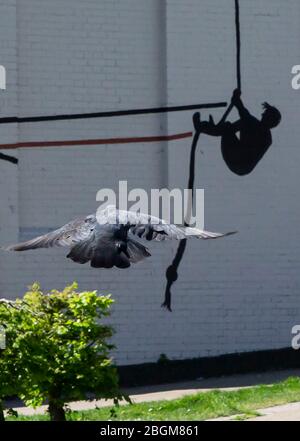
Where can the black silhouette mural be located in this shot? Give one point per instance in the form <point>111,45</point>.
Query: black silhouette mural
<point>241,154</point>
<point>244,153</point>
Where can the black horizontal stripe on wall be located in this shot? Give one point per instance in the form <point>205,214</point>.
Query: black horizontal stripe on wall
<point>172,371</point>
<point>109,114</point>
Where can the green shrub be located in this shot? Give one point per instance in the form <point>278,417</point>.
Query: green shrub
<point>57,348</point>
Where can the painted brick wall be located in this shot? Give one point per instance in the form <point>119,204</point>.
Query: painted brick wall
<point>9,184</point>
<point>67,56</point>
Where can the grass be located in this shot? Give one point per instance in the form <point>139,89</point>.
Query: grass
<point>201,406</point>
<point>246,416</point>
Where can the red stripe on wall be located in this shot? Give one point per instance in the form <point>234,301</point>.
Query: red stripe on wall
<point>96,141</point>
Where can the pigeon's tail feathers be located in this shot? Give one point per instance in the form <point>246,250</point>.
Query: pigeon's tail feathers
<point>119,253</point>
<point>137,251</point>
<point>110,257</point>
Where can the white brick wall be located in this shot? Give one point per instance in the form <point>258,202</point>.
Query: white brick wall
<point>69,56</point>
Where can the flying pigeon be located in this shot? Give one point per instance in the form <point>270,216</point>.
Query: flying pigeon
<point>107,239</point>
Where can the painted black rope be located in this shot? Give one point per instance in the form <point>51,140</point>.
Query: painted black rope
<point>238,45</point>
<point>238,58</point>
<point>171,273</point>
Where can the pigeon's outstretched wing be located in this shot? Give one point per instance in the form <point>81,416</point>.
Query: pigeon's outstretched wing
<point>151,227</point>
<point>104,247</point>
<point>74,232</point>
<point>104,241</point>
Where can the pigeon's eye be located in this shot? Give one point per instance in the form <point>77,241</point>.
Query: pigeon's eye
<point>92,229</point>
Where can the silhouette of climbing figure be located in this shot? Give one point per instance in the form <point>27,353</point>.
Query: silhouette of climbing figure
<point>244,153</point>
